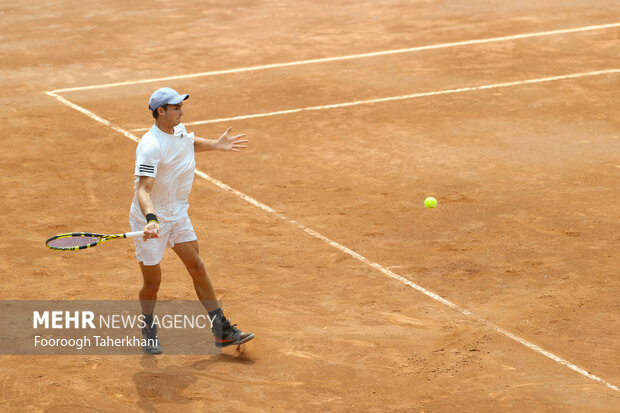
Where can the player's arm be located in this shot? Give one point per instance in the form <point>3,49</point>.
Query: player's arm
<point>145,186</point>
<point>223,143</point>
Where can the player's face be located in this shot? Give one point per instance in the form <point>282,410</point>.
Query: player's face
<point>173,114</point>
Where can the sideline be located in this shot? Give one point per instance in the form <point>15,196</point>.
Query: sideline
<point>403,97</point>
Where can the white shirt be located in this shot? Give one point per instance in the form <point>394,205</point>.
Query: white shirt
<point>170,160</point>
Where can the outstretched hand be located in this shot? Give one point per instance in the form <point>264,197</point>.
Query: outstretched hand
<point>231,143</point>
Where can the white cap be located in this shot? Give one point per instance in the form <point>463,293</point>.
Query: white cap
<point>165,96</point>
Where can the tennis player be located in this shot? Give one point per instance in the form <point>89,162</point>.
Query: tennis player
<point>164,173</point>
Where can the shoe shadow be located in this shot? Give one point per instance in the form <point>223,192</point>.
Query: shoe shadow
<point>157,385</point>
<point>240,358</point>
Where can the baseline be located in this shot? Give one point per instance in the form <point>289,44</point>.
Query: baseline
<point>347,57</point>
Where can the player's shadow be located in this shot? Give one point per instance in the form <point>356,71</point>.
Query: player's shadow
<point>157,385</point>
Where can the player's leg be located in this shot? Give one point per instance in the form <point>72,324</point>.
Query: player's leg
<point>226,334</point>
<point>189,253</point>
<point>151,279</point>
<point>149,253</point>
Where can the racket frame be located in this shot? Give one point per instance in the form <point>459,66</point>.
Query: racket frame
<point>102,238</point>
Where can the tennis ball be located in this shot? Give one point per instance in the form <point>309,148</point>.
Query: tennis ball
<point>430,202</point>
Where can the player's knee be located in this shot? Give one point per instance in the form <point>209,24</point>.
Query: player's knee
<point>150,288</point>
<point>197,269</point>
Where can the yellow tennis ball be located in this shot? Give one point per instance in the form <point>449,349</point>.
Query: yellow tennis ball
<point>430,202</point>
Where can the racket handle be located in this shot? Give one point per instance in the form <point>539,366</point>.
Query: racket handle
<point>134,234</point>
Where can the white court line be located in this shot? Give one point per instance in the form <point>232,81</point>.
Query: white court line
<point>403,97</point>
<point>347,57</point>
<point>355,255</point>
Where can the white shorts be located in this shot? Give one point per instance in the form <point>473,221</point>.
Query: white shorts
<point>151,251</point>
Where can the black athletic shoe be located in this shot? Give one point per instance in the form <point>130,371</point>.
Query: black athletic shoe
<point>152,344</point>
<point>227,334</point>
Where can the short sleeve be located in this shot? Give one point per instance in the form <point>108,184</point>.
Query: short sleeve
<point>148,156</point>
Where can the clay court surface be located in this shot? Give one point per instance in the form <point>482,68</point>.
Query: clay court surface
<point>525,237</point>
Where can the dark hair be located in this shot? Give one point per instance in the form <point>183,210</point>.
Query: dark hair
<point>156,114</point>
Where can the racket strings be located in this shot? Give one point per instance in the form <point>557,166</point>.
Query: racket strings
<point>71,242</point>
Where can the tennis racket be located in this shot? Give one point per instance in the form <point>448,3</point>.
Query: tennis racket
<point>74,241</point>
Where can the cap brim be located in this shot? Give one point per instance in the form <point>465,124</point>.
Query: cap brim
<point>178,99</point>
